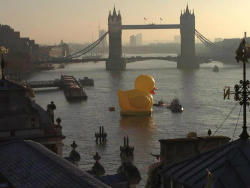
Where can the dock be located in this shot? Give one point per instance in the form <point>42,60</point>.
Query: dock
<point>85,81</point>
<point>45,84</point>
<point>72,88</point>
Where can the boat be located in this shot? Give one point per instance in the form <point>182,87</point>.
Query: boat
<point>175,106</point>
<point>216,68</point>
<point>72,88</point>
<point>159,104</point>
<point>86,81</point>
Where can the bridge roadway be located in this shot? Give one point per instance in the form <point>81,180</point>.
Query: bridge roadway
<point>128,59</point>
<point>152,26</point>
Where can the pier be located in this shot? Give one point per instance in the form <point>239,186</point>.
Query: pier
<point>45,84</point>
<point>58,83</point>
<point>72,88</point>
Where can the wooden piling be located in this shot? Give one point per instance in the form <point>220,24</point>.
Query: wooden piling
<point>101,137</point>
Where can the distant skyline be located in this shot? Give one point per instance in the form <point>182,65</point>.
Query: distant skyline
<point>49,21</point>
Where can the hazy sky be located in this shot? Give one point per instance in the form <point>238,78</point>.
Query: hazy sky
<point>49,21</point>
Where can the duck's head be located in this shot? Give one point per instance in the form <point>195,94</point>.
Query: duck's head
<point>145,83</point>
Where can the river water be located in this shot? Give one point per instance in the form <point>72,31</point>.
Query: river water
<point>200,93</point>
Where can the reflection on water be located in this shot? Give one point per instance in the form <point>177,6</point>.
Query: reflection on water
<point>138,126</point>
<point>188,96</point>
<point>141,123</point>
<point>115,79</point>
<point>140,130</point>
<point>115,76</point>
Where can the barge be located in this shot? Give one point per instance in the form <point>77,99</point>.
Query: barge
<point>72,88</point>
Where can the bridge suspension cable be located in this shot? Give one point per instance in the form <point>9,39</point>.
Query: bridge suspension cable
<point>86,49</point>
<point>204,40</point>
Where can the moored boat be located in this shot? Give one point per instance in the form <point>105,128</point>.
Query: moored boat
<point>160,103</point>
<point>72,88</point>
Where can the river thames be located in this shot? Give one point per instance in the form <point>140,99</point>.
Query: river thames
<point>199,91</point>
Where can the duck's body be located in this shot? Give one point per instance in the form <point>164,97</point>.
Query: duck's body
<point>135,101</point>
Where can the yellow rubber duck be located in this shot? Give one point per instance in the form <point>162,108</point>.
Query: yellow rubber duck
<point>138,101</point>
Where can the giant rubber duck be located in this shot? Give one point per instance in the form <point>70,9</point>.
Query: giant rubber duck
<point>138,101</point>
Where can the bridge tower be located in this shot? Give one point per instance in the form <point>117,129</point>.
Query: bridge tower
<point>187,30</point>
<point>115,61</point>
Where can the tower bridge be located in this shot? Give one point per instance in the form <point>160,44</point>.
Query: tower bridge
<point>187,31</point>
<point>115,61</point>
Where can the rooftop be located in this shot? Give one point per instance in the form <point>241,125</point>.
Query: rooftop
<point>191,139</point>
<point>229,165</point>
<point>9,85</point>
<point>27,164</point>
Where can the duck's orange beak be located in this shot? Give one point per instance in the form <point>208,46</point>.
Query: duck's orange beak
<point>153,91</point>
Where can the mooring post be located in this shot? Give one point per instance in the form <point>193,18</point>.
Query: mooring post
<point>127,152</point>
<point>101,137</point>
<point>124,142</point>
